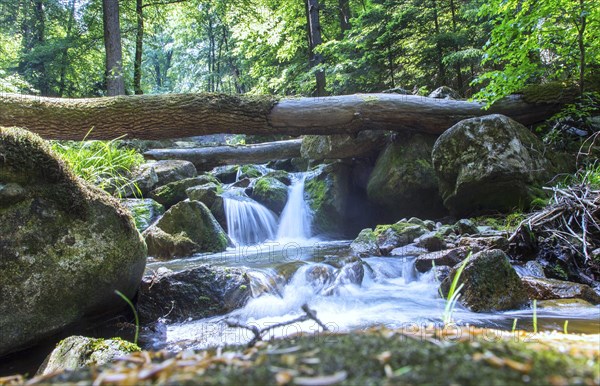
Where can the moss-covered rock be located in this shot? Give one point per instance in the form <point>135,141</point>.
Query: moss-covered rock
<point>188,227</point>
<point>489,163</point>
<point>402,233</point>
<point>174,192</point>
<point>65,245</point>
<point>319,147</point>
<point>226,174</point>
<point>547,289</point>
<point>365,244</point>
<point>270,192</point>
<point>210,195</point>
<point>250,171</point>
<point>490,283</point>
<point>327,191</point>
<point>403,182</point>
<point>78,351</point>
<point>144,211</point>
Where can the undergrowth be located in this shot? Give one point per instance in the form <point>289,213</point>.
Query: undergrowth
<point>102,163</point>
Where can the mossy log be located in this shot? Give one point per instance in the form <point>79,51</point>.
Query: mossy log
<point>182,115</point>
<point>206,158</point>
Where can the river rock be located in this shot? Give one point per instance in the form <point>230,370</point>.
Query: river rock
<point>65,245</point>
<point>327,191</point>
<point>547,289</point>
<point>444,92</point>
<point>194,293</point>
<point>79,351</point>
<point>144,211</point>
<point>152,175</point>
<point>477,244</point>
<point>365,244</point>
<point>489,163</point>
<point>318,147</point>
<point>352,273</point>
<point>188,227</point>
<point>490,283</point>
<point>209,195</point>
<point>432,241</point>
<point>174,192</point>
<point>408,250</point>
<point>226,174</point>
<point>141,182</point>
<point>465,227</point>
<point>403,182</point>
<point>397,235</point>
<point>449,257</point>
<point>270,192</point>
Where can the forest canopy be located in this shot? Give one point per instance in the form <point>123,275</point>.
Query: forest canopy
<point>486,49</point>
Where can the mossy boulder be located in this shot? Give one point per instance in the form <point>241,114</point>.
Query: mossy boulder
<point>144,211</point>
<point>226,174</point>
<point>327,191</point>
<point>250,171</point>
<point>489,163</point>
<point>281,175</point>
<point>174,192</point>
<point>79,351</point>
<point>65,245</point>
<point>210,195</point>
<point>188,227</point>
<point>196,293</point>
<point>391,236</point>
<point>403,182</point>
<point>490,283</point>
<point>270,192</point>
<point>319,147</point>
<point>365,244</point>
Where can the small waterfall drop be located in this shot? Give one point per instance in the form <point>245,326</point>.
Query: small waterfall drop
<point>295,219</point>
<point>248,222</point>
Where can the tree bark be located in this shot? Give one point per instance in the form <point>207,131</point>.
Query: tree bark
<point>314,38</point>
<point>139,48</point>
<point>181,115</point>
<point>344,16</point>
<point>115,85</point>
<point>206,158</point>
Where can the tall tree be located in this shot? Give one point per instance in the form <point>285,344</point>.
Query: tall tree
<point>314,40</point>
<point>344,16</point>
<point>139,47</point>
<point>115,84</point>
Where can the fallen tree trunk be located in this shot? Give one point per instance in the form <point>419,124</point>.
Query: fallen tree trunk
<point>183,115</point>
<point>206,158</point>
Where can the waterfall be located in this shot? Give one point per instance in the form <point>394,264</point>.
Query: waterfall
<point>248,222</point>
<point>296,216</point>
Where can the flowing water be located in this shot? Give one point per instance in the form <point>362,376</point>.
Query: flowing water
<point>287,269</point>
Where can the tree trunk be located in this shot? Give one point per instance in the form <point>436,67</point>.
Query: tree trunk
<point>65,54</point>
<point>206,158</point>
<point>115,85</point>
<point>139,48</point>
<point>182,115</point>
<point>440,54</point>
<point>581,44</point>
<point>314,38</point>
<point>344,16</point>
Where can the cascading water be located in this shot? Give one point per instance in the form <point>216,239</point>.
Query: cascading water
<point>295,219</point>
<point>248,222</point>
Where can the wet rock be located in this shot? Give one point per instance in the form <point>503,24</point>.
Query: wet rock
<point>327,192</point>
<point>65,246</point>
<point>465,227</point>
<point>396,235</point>
<point>563,304</point>
<point>280,175</point>
<point>318,147</point>
<point>349,274</point>
<point>440,273</point>
<point>243,183</point>
<point>194,293</point>
<point>144,211</point>
<point>210,196</point>
<point>432,241</point>
<point>174,192</point>
<point>270,192</point>
<point>490,283</point>
<point>320,275</point>
<point>489,163</point>
<point>546,289</point>
<point>226,174</point>
<point>250,171</point>
<point>78,351</point>
<point>403,182</point>
<point>142,181</point>
<point>408,250</point>
<point>477,244</point>
<point>531,268</point>
<point>444,92</point>
<point>449,257</point>
<point>188,227</point>
<point>153,175</point>
<point>365,244</point>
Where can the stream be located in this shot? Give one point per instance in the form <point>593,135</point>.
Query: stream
<point>289,267</point>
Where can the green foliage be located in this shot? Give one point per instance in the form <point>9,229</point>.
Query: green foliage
<point>102,163</point>
<point>135,314</point>
<point>454,292</point>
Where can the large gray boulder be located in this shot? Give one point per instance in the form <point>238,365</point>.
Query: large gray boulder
<point>152,175</point>
<point>403,182</point>
<point>194,293</point>
<point>490,283</point>
<point>489,163</point>
<point>65,246</point>
<point>210,195</point>
<point>188,227</point>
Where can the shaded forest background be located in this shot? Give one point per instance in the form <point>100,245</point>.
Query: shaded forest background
<point>485,49</point>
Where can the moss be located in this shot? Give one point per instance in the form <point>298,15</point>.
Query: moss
<point>270,192</point>
<point>249,171</point>
<point>243,287</point>
<point>105,344</point>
